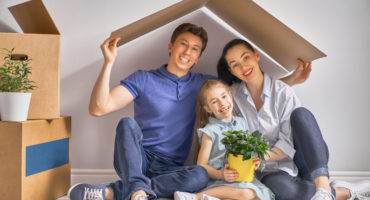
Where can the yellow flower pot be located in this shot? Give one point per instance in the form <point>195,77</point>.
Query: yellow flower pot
<point>244,168</point>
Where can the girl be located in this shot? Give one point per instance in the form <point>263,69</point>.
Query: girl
<point>214,116</point>
<point>299,170</point>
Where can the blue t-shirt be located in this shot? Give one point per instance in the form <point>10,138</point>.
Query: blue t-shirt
<point>165,110</point>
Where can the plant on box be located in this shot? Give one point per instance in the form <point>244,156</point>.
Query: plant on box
<point>14,86</point>
<point>241,147</point>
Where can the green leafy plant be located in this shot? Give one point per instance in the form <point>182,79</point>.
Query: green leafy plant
<point>249,145</point>
<point>14,73</point>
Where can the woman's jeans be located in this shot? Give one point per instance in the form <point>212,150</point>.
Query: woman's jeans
<point>142,170</point>
<point>311,158</point>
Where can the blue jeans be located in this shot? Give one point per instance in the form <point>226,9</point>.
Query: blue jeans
<point>311,158</point>
<point>142,170</point>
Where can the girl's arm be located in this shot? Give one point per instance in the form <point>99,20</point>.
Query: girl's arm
<point>196,148</point>
<point>203,157</point>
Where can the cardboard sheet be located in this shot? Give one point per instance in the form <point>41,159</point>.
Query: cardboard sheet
<point>276,39</point>
<point>156,20</point>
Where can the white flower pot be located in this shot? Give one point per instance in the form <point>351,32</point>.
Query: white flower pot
<point>14,106</point>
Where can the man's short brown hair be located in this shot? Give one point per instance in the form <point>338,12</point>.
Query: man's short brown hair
<point>191,28</point>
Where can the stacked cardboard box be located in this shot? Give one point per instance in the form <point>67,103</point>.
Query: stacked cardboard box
<point>41,43</point>
<point>35,159</point>
<point>35,154</point>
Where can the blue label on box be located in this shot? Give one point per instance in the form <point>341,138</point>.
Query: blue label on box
<point>45,156</point>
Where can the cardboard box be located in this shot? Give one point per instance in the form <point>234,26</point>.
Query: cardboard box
<point>35,159</point>
<point>41,43</point>
<point>277,40</point>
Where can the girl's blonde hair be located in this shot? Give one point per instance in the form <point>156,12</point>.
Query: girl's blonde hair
<point>202,114</point>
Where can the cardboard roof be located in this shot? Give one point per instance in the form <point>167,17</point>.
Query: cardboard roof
<point>33,17</point>
<point>276,39</point>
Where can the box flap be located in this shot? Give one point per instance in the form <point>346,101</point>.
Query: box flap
<point>156,20</point>
<point>33,17</point>
<point>276,39</point>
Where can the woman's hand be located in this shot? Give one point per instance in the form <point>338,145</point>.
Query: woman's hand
<point>300,74</point>
<point>274,155</point>
<point>109,49</point>
<point>229,175</point>
<point>257,163</point>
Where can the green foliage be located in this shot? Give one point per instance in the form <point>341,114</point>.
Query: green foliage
<point>250,145</point>
<point>14,74</point>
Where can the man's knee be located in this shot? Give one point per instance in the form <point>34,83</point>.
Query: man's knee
<point>203,175</point>
<point>126,121</point>
<point>199,178</point>
<point>127,127</point>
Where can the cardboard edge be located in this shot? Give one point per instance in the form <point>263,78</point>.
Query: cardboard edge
<point>267,63</point>
<point>11,177</point>
<point>280,42</point>
<point>156,20</point>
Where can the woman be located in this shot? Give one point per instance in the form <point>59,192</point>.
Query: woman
<point>299,167</point>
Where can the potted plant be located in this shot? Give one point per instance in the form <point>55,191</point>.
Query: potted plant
<point>14,86</point>
<point>241,147</point>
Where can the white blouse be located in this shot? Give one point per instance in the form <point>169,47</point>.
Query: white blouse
<point>272,120</point>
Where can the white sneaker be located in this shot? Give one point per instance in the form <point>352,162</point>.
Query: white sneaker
<point>184,196</point>
<point>141,197</point>
<point>207,197</point>
<point>359,190</point>
<point>322,194</point>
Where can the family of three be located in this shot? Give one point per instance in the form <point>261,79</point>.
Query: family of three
<point>150,150</point>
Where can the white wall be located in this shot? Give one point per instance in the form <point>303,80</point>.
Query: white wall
<point>337,92</point>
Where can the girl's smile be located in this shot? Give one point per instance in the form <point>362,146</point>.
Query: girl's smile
<point>219,103</point>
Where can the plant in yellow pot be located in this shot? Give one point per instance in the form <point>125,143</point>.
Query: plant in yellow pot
<point>14,86</point>
<point>241,147</point>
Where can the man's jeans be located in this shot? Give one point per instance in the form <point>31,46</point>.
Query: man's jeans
<point>142,170</point>
<point>311,158</point>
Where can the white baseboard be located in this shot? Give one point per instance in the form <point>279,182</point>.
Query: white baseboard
<point>350,175</point>
<point>95,176</point>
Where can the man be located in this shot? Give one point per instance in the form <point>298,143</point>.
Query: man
<point>150,151</point>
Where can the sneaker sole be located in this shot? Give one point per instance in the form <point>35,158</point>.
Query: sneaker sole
<point>365,184</point>
<point>70,189</point>
<point>176,196</point>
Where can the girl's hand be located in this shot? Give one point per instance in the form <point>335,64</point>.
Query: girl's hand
<point>109,49</point>
<point>257,163</point>
<point>229,175</point>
